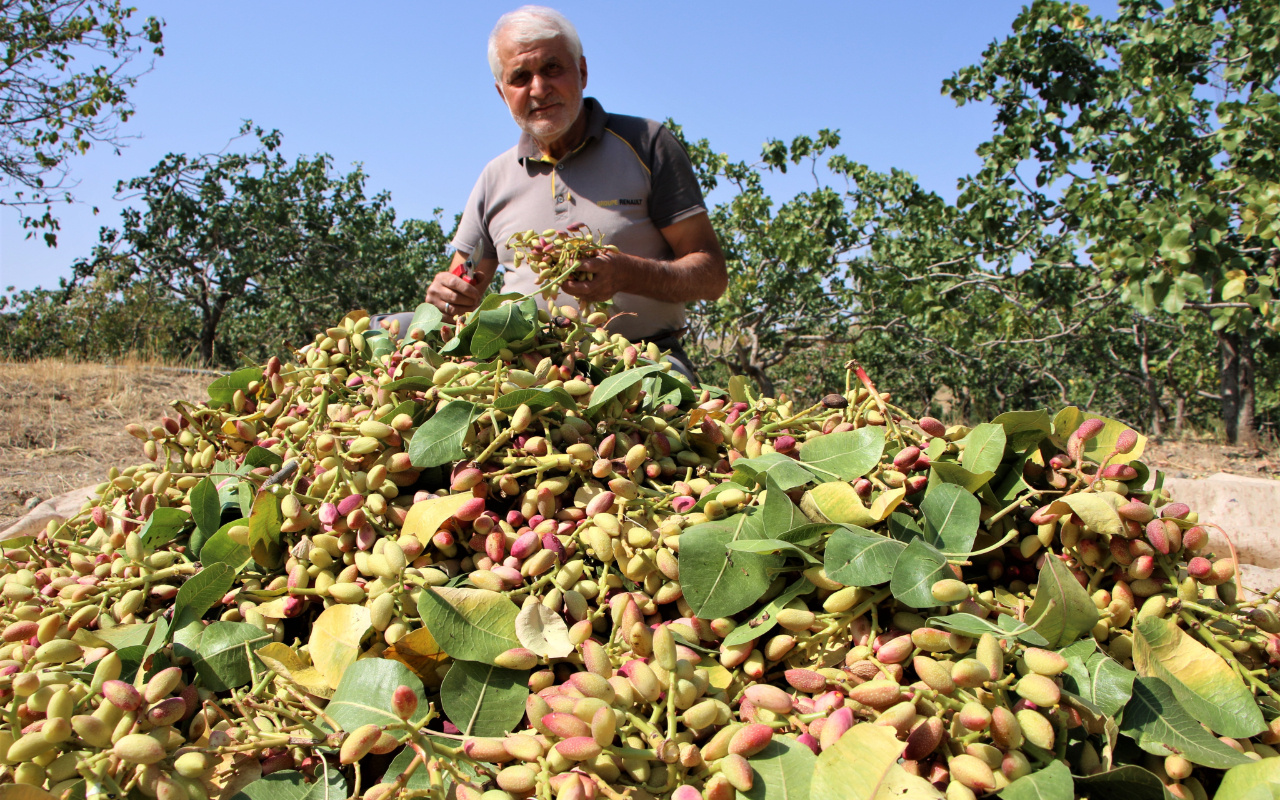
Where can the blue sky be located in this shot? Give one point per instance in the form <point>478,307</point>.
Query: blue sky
<point>404,88</point>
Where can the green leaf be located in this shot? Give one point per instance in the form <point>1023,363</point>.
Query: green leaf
<point>206,510</point>
<point>162,526</point>
<point>783,771</point>
<point>421,779</point>
<point>785,470</point>
<point>202,592</point>
<point>807,534</point>
<point>1258,780</point>
<point>971,625</point>
<point>947,472</point>
<point>984,448</point>
<point>484,700</point>
<point>1062,611</point>
<point>292,785</point>
<point>223,389</point>
<point>1160,725</point>
<point>615,385</point>
<point>264,530</point>
<point>426,318</point>
<point>1024,430</point>
<point>780,514</point>
<point>1124,783</point>
<point>772,546</point>
<point>764,621</point>
<point>223,660</point>
<point>1051,783</point>
<point>364,695</point>
<point>848,455</point>
<point>221,548</point>
<point>1098,679</point>
<point>123,636</point>
<point>536,399</point>
<point>857,557</point>
<point>408,408</point>
<point>439,440</point>
<point>259,457</point>
<point>903,527</point>
<point>500,327</point>
<point>951,518</point>
<point>378,344</point>
<point>716,581</point>
<point>917,569</point>
<point>1201,679</point>
<point>469,624</point>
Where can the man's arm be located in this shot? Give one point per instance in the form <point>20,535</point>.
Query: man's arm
<point>695,272</point>
<point>452,294</point>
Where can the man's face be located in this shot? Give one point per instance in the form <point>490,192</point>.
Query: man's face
<point>542,85</point>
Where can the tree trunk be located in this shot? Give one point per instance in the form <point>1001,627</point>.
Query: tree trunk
<point>1238,396</point>
<point>209,332</point>
<point>1246,419</point>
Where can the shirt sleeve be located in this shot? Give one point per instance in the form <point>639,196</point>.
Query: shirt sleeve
<point>676,194</point>
<point>473,229</point>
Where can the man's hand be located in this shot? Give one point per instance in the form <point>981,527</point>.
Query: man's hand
<point>603,276</point>
<point>695,272</point>
<point>453,294</point>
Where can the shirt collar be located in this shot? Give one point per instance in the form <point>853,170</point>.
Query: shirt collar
<point>527,149</point>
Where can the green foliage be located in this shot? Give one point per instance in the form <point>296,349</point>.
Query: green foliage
<point>1122,227</point>
<point>227,256</point>
<point>51,107</point>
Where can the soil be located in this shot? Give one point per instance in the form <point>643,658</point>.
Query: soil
<point>62,427</point>
<point>62,423</point>
<point>1198,459</point>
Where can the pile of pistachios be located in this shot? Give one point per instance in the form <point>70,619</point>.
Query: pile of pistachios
<point>521,557</point>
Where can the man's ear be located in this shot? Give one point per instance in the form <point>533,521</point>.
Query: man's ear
<point>498,85</point>
<point>582,68</point>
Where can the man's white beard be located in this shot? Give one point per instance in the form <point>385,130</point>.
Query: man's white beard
<point>532,128</point>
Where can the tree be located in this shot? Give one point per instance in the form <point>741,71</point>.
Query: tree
<point>259,249</point>
<point>50,108</point>
<point>1148,141</point>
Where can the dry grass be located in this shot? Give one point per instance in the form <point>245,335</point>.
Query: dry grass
<point>62,423</point>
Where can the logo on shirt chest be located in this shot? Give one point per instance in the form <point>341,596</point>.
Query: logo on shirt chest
<point>623,201</point>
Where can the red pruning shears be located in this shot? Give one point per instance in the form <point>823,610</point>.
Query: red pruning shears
<point>467,269</point>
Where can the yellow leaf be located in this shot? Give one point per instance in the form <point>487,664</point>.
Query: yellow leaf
<point>838,502</point>
<point>335,640</point>
<point>282,660</point>
<point>20,791</point>
<point>419,652</point>
<point>719,677</point>
<point>860,765</point>
<point>425,518</point>
<point>1097,510</point>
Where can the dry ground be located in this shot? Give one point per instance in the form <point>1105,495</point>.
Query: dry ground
<point>62,427</point>
<point>62,424</point>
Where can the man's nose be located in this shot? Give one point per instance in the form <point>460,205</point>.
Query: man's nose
<point>539,86</point>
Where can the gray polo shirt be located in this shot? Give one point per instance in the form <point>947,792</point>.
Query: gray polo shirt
<point>628,179</point>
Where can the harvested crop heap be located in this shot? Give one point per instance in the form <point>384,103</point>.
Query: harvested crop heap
<point>525,559</point>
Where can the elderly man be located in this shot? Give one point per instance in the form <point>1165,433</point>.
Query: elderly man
<point>625,177</point>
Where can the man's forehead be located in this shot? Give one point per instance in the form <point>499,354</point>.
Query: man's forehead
<point>523,54</point>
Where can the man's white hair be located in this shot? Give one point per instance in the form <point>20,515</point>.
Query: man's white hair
<point>529,24</point>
